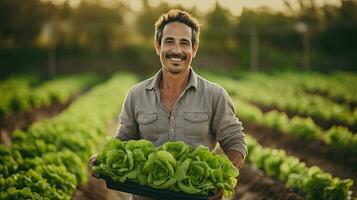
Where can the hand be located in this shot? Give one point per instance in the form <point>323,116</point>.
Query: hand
<point>217,196</point>
<point>92,160</point>
<point>236,158</point>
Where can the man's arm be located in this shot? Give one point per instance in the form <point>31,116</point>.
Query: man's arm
<point>228,129</point>
<point>128,127</point>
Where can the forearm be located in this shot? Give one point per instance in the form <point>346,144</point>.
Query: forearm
<point>235,157</point>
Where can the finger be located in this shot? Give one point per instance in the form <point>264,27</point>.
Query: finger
<point>93,159</point>
<point>217,196</point>
<point>93,156</point>
<point>92,162</point>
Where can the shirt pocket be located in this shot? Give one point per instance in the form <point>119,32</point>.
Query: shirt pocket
<point>196,124</point>
<point>148,126</point>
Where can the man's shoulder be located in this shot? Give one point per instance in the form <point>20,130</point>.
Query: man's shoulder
<point>141,86</point>
<point>209,85</point>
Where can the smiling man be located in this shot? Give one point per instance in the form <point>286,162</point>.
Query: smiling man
<point>178,104</point>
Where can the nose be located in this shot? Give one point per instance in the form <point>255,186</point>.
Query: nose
<point>176,48</point>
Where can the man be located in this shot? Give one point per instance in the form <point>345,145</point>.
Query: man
<point>177,104</point>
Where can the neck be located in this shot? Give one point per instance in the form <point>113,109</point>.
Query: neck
<point>174,82</point>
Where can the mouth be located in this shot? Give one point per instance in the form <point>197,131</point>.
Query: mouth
<point>176,57</point>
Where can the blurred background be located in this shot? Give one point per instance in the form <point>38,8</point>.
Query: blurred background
<point>103,36</point>
<point>58,104</point>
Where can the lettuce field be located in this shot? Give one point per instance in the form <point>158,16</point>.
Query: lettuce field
<point>301,131</point>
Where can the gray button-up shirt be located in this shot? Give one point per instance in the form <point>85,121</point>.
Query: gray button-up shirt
<point>203,114</point>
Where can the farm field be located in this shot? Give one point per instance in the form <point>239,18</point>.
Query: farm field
<point>25,98</point>
<point>288,66</point>
<point>299,126</point>
<point>300,129</point>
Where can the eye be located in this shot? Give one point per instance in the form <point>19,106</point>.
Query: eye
<point>169,41</point>
<point>185,43</point>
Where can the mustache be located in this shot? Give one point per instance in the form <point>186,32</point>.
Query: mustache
<point>176,55</point>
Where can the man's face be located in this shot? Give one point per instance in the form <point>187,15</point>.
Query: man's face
<point>176,50</point>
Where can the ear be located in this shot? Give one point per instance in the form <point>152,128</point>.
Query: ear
<point>157,47</point>
<point>194,49</point>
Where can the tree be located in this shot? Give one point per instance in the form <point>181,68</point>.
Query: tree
<point>218,32</point>
<point>21,21</point>
<point>95,24</point>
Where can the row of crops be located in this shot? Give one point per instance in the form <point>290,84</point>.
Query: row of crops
<point>49,159</point>
<point>24,93</point>
<point>308,101</point>
<point>302,126</point>
<point>312,181</point>
<point>286,92</point>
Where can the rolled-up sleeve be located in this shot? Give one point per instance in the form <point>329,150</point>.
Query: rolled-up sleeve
<point>226,126</point>
<point>128,127</point>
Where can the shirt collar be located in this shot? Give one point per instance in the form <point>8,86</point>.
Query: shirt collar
<point>154,81</point>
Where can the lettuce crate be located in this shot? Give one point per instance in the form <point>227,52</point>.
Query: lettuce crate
<point>148,191</point>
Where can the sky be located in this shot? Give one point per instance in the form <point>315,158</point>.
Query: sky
<point>234,6</point>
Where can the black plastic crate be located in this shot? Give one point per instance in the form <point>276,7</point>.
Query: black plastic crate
<point>147,191</point>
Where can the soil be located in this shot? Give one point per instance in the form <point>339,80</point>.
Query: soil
<point>21,121</point>
<point>331,160</point>
<point>253,184</point>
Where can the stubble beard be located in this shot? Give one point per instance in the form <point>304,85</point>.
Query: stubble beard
<point>171,68</point>
<point>175,69</point>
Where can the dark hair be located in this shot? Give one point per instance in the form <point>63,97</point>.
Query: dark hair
<point>177,16</point>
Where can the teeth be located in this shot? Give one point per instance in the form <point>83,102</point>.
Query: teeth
<point>176,59</point>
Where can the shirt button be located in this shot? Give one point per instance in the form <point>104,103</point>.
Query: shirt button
<point>172,117</point>
<point>172,130</point>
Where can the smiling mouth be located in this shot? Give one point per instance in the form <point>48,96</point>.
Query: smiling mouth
<point>176,57</point>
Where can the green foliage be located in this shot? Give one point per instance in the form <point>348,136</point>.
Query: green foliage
<point>217,34</point>
<point>160,169</point>
<point>174,166</point>
<point>14,194</point>
<point>245,96</point>
<point>342,138</point>
<point>285,92</point>
<point>17,95</point>
<point>291,171</point>
<point>95,22</point>
<point>312,181</point>
<point>21,22</point>
<point>275,119</point>
<point>51,157</point>
<point>178,149</point>
<point>320,185</point>
<point>305,128</point>
<point>196,177</point>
